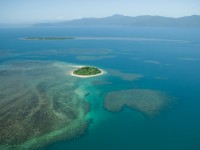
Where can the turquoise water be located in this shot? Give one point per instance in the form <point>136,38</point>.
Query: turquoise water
<point>167,59</point>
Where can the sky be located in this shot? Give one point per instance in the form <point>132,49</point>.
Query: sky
<point>33,11</point>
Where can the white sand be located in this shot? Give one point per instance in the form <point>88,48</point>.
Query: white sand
<point>85,76</point>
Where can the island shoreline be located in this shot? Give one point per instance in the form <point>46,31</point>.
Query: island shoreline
<point>86,76</point>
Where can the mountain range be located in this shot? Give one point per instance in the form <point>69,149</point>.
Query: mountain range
<point>139,21</point>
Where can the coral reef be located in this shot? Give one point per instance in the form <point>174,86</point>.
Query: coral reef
<point>149,102</point>
<point>38,104</point>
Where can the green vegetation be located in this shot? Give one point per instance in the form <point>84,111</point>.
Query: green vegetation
<point>86,71</point>
<point>48,38</point>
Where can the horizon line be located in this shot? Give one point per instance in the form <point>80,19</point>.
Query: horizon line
<point>61,20</point>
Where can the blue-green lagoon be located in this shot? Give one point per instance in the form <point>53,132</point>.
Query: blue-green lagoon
<point>147,98</point>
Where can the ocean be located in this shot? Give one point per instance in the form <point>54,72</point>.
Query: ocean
<point>148,98</point>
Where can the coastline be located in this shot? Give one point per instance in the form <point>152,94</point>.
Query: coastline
<point>87,76</point>
<point>46,38</point>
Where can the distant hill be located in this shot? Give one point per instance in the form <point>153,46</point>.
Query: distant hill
<point>139,21</point>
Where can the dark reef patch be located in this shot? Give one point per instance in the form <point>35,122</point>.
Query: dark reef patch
<point>149,102</point>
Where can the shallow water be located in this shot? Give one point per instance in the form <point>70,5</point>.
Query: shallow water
<point>164,60</point>
<point>39,104</point>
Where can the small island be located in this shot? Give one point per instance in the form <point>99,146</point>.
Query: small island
<point>47,38</point>
<point>87,71</point>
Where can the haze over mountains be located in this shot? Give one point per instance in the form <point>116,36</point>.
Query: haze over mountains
<point>139,21</point>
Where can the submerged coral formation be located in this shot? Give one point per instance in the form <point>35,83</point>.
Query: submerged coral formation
<point>38,104</point>
<point>149,102</point>
<point>124,76</point>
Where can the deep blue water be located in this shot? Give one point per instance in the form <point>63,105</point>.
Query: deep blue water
<point>169,60</point>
